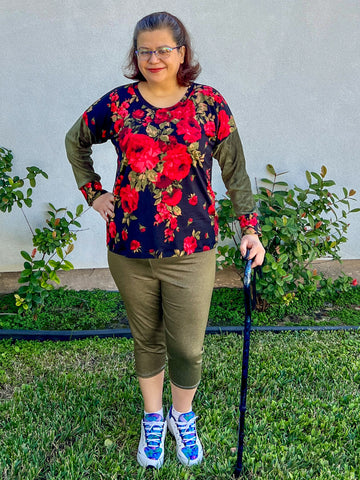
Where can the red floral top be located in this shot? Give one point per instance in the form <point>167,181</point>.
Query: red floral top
<point>164,202</point>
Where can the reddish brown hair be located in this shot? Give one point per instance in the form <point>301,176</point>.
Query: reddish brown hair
<point>188,71</point>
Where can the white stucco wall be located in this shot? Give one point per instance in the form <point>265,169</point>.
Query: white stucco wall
<point>289,69</point>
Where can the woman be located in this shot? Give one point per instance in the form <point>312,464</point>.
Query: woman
<point>161,219</point>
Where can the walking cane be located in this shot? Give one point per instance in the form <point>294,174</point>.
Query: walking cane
<point>245,364</point>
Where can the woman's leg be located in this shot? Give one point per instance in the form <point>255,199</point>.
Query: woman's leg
<point>186,287</point>
<point>141,294</point>
<point>182,398</point>
<point>152,392</point>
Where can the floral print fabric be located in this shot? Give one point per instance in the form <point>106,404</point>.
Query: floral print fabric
<point>164,202</point>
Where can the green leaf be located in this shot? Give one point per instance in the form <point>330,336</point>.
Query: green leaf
<point>26,256</point>
<point>266,180</point>
<point>54,277</point>
<point>308,177</point>
<point>54,264</point>
<point>60,253</point>
<point>79,210</point>
<point>270,169</point>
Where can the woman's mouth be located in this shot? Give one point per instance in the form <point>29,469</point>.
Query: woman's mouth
<point>155,70</point>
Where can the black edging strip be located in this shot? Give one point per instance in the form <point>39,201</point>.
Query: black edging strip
<point>66,335</point>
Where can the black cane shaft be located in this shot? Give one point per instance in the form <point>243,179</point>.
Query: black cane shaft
<point>245,367</point>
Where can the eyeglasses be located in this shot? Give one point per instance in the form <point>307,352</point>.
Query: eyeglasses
<point>162,53</point>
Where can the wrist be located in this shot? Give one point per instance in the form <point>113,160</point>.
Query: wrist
<point>249,224</point>
<point>92,191</point>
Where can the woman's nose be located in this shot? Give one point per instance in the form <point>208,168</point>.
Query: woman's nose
<point>153,58</point>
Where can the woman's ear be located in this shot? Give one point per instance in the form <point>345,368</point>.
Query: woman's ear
<point>182,51</point>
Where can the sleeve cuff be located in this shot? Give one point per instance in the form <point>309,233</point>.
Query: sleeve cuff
<point>91,191</point>
<point>249,224</point>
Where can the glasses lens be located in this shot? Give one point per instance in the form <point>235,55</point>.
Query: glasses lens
<point>164,52</point>
<point>143,54</point>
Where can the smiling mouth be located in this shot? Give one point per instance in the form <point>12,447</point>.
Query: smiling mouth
<point>155,70</point>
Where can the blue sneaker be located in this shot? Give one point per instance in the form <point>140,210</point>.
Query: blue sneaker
<point>188,447</point>
<point>151,446</point>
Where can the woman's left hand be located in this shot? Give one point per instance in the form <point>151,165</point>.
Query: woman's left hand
<point>257,251</point>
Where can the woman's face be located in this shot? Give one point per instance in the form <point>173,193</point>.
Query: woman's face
<point>159,70</point>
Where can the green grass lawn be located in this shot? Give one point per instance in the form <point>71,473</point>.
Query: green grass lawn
<point>72,410</point>
<point>99,309</point>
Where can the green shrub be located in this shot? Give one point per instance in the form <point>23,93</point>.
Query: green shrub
<point>53,243</point>
<point>299,225</point>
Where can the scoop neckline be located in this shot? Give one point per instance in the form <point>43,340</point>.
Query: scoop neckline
<point>182,99</point>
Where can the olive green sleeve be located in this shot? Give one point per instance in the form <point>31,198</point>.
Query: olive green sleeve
<point>230,156</point>
<point>78,143</point>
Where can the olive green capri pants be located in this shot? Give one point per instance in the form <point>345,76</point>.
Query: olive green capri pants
<point>167,301</point>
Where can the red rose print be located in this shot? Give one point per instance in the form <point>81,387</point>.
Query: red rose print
<point>169,235</point>
<point>211,209</point>
<point>118,124</point>
<point>118,185</point>
<point>131,90</point>
<point>224,128</point>
<point>112,229</point>
<point>193,199</point>
<point>124,235</point>
<point>124,136</point>
<point>206,248</point>
<point>190,128</point>
<point>190,245</point>
<point>184,111</point>
<point>138,114</point>
<point>173,198</point>
<point>246,220</point>
<point>114,96</point>
<point>85,117</point>
<point>207,91</point>
<point>162,115</point>
<point>162,181</point>
<point>83,191</point>
<point>146,121</point>
<point>209,128</point>
<point>122,110</point>
<point>216,226</point>
<point>142,153</point>
<point>135,245</point>
<point>163,213</point>
<point>173,223</point>
<point>177,163</point>
<point>129,199</point>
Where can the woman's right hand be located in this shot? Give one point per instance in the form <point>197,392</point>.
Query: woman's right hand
<point>104,204</point>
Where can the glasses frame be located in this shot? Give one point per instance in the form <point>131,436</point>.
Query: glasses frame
<point>138,53</point>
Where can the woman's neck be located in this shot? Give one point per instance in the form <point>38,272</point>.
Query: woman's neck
<point>162,96</point>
